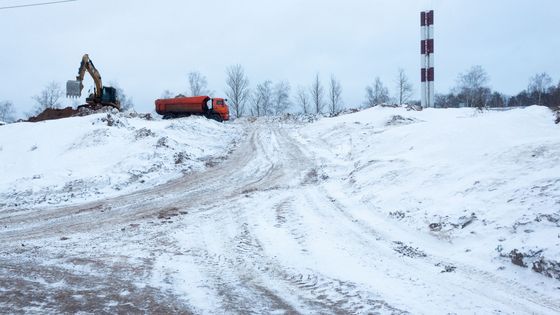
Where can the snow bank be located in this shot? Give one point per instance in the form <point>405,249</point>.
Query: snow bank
<point>77,159</point>
<point>489,182</point>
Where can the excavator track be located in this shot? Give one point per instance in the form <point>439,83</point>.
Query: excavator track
<point>99,106</point>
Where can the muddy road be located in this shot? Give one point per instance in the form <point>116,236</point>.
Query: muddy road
<point>265,231</point>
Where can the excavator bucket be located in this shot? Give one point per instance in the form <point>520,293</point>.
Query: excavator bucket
<point>73,88</point>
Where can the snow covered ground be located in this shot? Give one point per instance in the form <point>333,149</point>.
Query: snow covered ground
<point>85,158</point>
<point>486,182</point>
<point>381,211</point>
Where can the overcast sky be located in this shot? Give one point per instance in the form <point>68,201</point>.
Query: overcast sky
<point>150,46</point>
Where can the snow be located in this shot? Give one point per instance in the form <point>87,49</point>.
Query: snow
<point>85,158</point>
<point>446,166</point>
<point>380,211</point>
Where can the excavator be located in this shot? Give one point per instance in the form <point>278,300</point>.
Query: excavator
<point>101,96</point>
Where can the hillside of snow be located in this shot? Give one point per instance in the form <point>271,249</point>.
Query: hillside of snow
<point>77,159</point>
<point>487,183</point>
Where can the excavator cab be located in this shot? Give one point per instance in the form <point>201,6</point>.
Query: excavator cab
<point>109,95</point>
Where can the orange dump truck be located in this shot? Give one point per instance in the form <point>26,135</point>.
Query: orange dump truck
<point>213,108</point>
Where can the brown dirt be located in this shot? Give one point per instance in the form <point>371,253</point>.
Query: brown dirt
<point>82,110</point>
<point>54,113</point>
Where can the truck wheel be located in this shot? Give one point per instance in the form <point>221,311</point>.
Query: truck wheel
<point>217,117</point>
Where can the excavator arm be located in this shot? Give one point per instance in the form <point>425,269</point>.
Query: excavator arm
<point>102,96</point>
<point>74,88</point>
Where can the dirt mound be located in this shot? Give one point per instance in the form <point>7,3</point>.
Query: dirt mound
<point>54,113</point>
<point>83,110</point>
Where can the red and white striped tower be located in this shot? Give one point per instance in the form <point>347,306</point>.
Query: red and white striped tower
<point>427,64</point>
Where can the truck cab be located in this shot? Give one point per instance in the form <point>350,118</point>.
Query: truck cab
<point>219,106</point>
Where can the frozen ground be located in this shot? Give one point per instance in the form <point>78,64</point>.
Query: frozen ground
<point>382,211</point>
<point>74,160</point>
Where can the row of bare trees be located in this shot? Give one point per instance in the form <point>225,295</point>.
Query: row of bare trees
<point>316,95</point>
<point>473,90</point>
<point>269,98</point>
<point>272,99</point>
<point>377,93</point>
<point>50,97</point>
<point>540,91</point>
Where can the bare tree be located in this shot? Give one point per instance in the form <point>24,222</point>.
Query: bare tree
<point>126,102</point>
<point>198,84</point>
<point>472,87</point>
<point>539,84</point>
<point>302,99</point>
<point>7,112</point>
<point>50,97</point>
<point>376,94</point>
<point>281,97</point>
<point>404,87</point>
<point>237,89</point>
<point>335,96</point>
<point>317,95</point>
<point>262,99</point>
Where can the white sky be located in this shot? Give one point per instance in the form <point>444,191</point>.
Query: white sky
<point>150,46</point>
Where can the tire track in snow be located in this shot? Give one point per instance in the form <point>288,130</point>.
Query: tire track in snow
<point>241,267</point>
<point>510,295</point>
<point>228,178</point>
<point>247,266</point>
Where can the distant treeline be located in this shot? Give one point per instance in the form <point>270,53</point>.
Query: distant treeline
<point>472,90</point>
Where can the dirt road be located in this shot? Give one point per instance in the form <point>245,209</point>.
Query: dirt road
<point>265,231</point>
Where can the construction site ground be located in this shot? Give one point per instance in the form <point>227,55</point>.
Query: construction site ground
<point>289,221</point>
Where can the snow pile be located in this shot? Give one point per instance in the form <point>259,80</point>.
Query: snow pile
<point>488,182</point>
<point>82,158</point>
